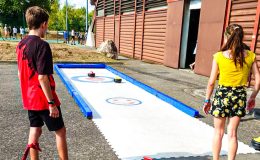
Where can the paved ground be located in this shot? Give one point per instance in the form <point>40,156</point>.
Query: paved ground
<point>84,139</point>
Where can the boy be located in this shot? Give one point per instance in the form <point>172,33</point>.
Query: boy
<point>35,69</point>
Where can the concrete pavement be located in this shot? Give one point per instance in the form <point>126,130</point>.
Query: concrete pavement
<point>85,141</point>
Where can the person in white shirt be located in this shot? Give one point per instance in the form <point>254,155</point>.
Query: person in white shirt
<point>15,32</point>
<point>21,32</point>
<point>73,37</point>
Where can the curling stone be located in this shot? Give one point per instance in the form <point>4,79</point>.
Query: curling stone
<point>91,74</point>
<point>147,158</point>
<point>256,143</point>
<point>117,80</point>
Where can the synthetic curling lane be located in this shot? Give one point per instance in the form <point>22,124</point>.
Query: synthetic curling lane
<point>137,123</point>
<point>85,107</point>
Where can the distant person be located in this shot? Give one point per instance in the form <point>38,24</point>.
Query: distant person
<point>233,64</point>
<point>10,31</point>
<point>1,30</point>
<point>192,66</point>
<point>21,32</point>
<point>73,37</point>
<point>6,31</point>
<point>83,39</point>
<point>79,37</point>
<point>86,36</point>
<point>65,36</point>
<point>35,69</point>
<point>15,32</point>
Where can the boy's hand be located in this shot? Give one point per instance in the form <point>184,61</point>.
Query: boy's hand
<point>250,104</point>
<point>54,112</point>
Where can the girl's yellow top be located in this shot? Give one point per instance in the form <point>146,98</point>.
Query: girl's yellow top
<point>231,75</point>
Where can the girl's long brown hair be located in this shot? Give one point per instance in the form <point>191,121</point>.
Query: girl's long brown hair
<point>235,35</point>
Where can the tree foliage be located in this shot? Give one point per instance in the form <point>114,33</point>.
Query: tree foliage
<point>12,12</point>
<point>76,18</point>
<point>54,15</point>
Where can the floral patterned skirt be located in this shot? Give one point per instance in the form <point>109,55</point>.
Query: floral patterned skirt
<point>229,102</point>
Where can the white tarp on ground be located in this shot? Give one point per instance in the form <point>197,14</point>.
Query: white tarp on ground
<point>152,128</point>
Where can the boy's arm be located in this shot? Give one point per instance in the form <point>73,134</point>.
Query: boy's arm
<point>45,84</point>
<point>46,88</point>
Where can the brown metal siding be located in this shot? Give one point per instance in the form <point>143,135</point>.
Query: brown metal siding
<point>138,36</point>
<point>117,24</point>
<point>257,36</point>
<point>173,33</point>
<point>257,49</point>
<point>99,30</point>
<point>243,12</point>
<point>210,34</point>
<point>137,33</point>
<point>154,35</point>
<point>109,28</point>
<point>126,34</point>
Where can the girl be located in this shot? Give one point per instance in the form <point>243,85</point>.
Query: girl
<point>233,64</point>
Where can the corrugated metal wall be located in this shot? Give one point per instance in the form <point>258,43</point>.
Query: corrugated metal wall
<point>154,35</point>
<point>257,50</point>
<point>126,34</point>
<point>99,30</point>
<point>138,36</point>
<point>109,28</point>
<point>141,33</point>
<point>243,12</point>
<point>141,25</point>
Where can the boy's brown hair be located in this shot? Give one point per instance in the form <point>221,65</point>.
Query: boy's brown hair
<point>35,16</point>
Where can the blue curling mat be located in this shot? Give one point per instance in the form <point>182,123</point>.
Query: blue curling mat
<point>84,106</point>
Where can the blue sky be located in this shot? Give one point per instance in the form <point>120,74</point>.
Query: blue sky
<point>78,3</point>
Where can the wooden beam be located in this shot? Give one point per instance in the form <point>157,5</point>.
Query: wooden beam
<point>114,20</point>
<point>95,15</point>
<point>227,17</point>
<point>142,39</point>
<point>104,6</point>
<point>256,26</point>
<point>134,30</point>
<point>119,26</point>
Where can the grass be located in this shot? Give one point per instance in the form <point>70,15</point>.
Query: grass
<point>60,53</point>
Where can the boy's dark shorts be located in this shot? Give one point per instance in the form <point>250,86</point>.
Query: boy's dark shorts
<point>38,118</point>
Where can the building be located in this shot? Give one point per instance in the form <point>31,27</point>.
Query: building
<point>166,31</point>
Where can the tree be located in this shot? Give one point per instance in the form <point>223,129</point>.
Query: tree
<point>11,11</point>
<point>90,17</point>
<point>54,22</point>
<point>76,18</point>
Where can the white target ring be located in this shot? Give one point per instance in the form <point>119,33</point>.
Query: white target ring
<point>97,79</point>
<point>123,101</point>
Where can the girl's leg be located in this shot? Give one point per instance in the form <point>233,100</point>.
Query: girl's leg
<point>232,136</point>
<point>219,130</point>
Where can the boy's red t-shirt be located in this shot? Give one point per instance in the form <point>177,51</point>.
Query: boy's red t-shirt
<point>34,57</point>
